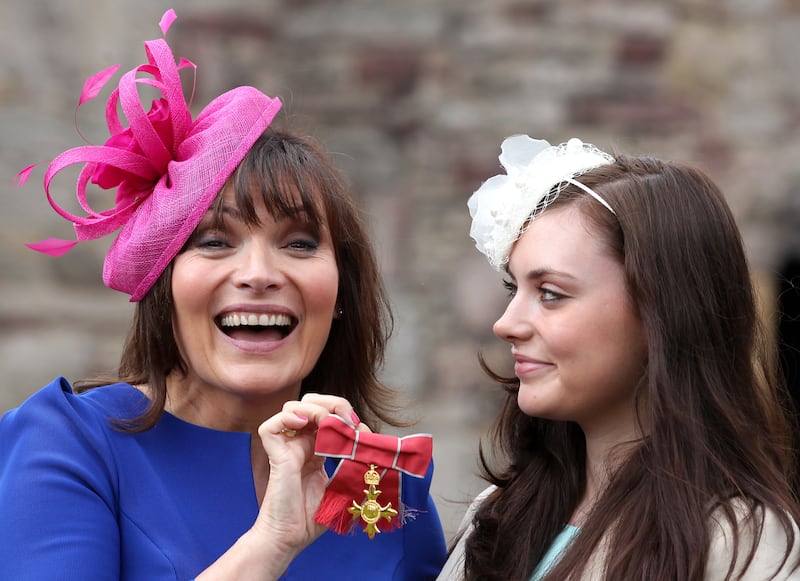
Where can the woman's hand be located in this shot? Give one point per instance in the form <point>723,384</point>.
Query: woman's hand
<point>297,477</point>
<point>285,523</point>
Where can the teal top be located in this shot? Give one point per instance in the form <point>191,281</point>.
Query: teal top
<point>551,557</point>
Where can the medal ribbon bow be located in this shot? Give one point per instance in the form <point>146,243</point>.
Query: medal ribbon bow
<point>357,451</point>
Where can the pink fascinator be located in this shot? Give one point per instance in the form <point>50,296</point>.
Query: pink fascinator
<point>166,168</point>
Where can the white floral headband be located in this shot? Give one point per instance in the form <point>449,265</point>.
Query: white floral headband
<point>504,203</point>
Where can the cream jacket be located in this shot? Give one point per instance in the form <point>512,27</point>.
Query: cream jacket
<point>768,556</point>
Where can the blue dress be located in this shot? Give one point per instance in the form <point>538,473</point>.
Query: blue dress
<point>80,500</point>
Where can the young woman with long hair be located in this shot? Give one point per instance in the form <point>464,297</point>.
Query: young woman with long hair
<point>645,434</point>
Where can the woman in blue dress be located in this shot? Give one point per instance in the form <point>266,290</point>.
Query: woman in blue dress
<point>259,312</point>
<point>643,435</point>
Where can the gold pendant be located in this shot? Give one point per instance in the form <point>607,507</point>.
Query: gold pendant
<point>370,510</point>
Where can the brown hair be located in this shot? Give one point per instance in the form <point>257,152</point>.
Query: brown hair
<point>286,169</point>
<point>711,400</point>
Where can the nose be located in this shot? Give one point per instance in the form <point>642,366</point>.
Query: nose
<point>516,323</point>
<point>259,267</point>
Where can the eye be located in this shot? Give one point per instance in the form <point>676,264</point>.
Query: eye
<point>510,287</point>
<point>303,244</point>
<point>210,239</point>
<point>547,295</point>
<point>213,241</point>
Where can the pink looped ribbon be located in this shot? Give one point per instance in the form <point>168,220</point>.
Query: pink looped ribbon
<point>135,157</point>
<point>166,168</point>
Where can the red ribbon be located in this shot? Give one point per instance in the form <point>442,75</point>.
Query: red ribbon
<point>357,450</point>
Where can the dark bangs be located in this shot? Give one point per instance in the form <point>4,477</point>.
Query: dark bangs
<point>290,181</point>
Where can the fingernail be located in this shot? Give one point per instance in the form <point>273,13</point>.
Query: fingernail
<point>301,417</point>
<point>354,417</point>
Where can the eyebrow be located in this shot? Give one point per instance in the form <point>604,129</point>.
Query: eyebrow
<point>231,211</point>
<point>539,273</point>
<point>215,217</point>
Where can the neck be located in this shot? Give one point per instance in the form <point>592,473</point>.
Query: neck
<point>221,409</point>
<point>605,451</point>
<point>229,411</point>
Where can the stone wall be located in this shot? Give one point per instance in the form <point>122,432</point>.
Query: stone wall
<point>413,98</point>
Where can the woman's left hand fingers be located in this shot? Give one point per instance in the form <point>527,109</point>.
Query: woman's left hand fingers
<point>303,416</point>
<point>335,405</point>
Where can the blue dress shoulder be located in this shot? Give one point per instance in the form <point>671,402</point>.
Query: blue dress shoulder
<point>81,500</point>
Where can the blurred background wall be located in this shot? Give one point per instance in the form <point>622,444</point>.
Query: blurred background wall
<point>413,98</point>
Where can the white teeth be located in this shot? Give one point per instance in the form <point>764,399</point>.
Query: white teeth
<point>263,320</point>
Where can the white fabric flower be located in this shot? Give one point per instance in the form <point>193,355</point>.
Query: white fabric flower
<point>504,203</point>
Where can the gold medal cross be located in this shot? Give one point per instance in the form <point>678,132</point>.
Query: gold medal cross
<point>370,510</point>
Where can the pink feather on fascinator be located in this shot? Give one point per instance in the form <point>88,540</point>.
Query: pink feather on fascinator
<point>166,168</point>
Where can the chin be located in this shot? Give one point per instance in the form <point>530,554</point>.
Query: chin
<point>536,409</point>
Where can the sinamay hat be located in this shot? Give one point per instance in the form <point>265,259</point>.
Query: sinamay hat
<point>167,168</point>
<point>535,173</point>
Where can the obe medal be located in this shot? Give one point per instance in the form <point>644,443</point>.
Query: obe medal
<point>370,510</point>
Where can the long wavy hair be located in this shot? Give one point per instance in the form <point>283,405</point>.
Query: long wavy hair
<point>711,405</point>
<point>284,169</point>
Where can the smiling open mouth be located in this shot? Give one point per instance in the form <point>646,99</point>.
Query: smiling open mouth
<point>254,326</point>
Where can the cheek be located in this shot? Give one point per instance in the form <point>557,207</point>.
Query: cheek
<point>625,346</point>
<point>574,339</point>
<point>190,294</point>
<point>615,340</point>
<point>191,280</point>
<point>322,289</point>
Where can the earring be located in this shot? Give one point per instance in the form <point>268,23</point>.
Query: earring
<point>339,312</point>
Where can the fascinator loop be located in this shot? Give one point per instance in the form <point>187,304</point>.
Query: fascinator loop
<point>535,173</point>
<point>166,168</point>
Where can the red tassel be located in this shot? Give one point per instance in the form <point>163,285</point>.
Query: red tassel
<point>332,512</point>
